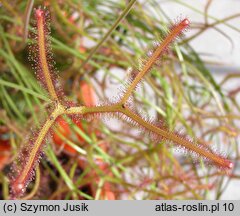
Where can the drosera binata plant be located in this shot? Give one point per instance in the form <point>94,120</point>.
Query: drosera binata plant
<point>23,170</point>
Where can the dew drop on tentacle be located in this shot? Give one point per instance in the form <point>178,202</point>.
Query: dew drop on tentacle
<point>39,13</point>
<point>185,22</point>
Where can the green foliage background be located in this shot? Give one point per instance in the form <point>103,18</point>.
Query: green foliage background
<point>183,93</point>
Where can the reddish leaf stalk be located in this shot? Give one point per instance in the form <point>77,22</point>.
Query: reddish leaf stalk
<point>44,63</point>
<point>175,32</point>
<point>120,108</point>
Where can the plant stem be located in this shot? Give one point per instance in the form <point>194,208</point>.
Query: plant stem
<point>43,64</point>
<point>119,19</point>
<point>218,160</point>
<point>174,32</point>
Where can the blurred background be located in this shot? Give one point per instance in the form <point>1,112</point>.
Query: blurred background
<point>220,47</point>
<point>194,89</point>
